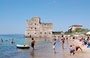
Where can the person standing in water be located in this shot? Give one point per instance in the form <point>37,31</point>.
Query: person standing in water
<point>32,43</point>
<point>54,45</point>
<point>12,40</point>
<point>1,40</point>
<point>62,39</point>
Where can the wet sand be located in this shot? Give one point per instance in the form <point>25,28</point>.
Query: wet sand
<point>46,51</point>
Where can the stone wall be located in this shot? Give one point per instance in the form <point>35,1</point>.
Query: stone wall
<point>35,28</point>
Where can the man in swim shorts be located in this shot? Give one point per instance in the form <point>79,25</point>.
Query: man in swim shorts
<point>32,43</point>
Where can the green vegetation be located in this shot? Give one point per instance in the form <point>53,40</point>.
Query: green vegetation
<point>57,32</point>
<point>77,31</point>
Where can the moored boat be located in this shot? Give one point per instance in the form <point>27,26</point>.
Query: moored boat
<point>21,46</point>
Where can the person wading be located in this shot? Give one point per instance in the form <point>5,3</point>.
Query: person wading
<point>32,43</point>
<point>62,39</point>
<point>54,45</point>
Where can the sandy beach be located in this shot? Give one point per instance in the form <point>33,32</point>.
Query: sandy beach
<point>78,54</point>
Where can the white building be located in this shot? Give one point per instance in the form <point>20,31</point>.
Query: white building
<point>73,27</point>
<point>35,28</point>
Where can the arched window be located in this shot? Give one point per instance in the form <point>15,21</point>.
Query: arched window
<point>35,24</point>
<point>40,32</point>
<point>28,33</point>
<point>35,28</point>
<point>34,33</point>
<point>31,28</point>
<point>45,33</point>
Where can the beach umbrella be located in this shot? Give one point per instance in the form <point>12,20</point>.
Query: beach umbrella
<point>88,32</point>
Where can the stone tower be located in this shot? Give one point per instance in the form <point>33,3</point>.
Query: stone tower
<point>35,28</point>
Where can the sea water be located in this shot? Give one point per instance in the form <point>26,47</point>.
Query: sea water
<point>43,47</point>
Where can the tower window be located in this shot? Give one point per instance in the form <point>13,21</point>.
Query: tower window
<point>44,24</point>
<point>35,28</point>
<point>35,24</point>
<point>45,32</point>
<point>40,32</point>
<point>28,33</point>
<point>34,33</point>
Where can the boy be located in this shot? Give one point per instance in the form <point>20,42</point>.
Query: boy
<point>71,50</point>
<point>54,45</point>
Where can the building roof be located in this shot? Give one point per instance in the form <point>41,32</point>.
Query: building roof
<point>76,25</point>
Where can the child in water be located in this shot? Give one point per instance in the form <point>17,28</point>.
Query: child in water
<point>71,50</point>
<point>54,45</point>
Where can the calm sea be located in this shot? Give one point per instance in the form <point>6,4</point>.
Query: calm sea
<point>43,47</point>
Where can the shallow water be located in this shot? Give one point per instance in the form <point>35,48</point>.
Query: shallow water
<point>43,48</point>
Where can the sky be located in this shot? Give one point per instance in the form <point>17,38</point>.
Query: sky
<point>62,13</point>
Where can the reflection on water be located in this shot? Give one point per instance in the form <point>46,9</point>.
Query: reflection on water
<point>19,50</point>
<point>32,53</point>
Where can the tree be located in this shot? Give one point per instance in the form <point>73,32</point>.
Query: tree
<point>78,30</point>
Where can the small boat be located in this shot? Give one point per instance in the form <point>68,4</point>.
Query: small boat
<point>21,46</point>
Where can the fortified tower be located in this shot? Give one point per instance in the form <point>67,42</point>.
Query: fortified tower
<point>35,28</point>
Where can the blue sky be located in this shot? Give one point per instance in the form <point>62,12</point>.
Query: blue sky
<point>62,13</point>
